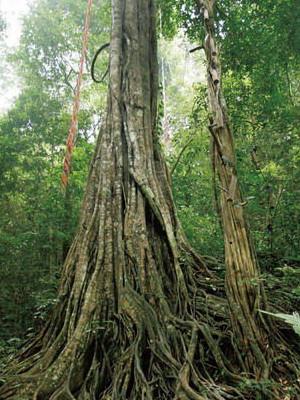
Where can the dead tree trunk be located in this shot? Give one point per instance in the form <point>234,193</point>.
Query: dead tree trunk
<point>243,287</point>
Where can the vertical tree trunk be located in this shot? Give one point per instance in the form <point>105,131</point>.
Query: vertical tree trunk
<point>138,315</point>
<point>113,330</point>
<point>243,287</point>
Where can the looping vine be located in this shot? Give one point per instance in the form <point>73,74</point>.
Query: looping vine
<point>95,58</point>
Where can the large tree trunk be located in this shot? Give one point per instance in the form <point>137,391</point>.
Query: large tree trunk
<point>138,314</point>
<point>243,286</point>
<point>114,331</point>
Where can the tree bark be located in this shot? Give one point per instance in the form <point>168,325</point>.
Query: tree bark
<point>123,289</point>
<point>243,286</point>
<point>139,316</point>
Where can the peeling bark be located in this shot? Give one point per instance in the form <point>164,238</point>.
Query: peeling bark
<point>243,286</point>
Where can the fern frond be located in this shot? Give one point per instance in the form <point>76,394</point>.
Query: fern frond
<point>291,319</point>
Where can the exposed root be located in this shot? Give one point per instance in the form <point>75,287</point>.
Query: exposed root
<point>143,353</point>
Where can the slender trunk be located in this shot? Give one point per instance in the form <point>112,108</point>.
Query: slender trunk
<point>243,287</point>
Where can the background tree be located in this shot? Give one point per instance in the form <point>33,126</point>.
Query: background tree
<point>244,291</point>
<point>256,43</point>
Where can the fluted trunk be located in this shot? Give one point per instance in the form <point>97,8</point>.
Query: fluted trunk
<point>122,282</point>
<point>138,314</point>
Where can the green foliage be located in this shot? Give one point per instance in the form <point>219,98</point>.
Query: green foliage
<point>261,91</point>
<point>291,319</point>
<point>260,64</point>
<point>37,220</point>
<point>183,14</point>
<point>193,185</point>
<point>260,389</point>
